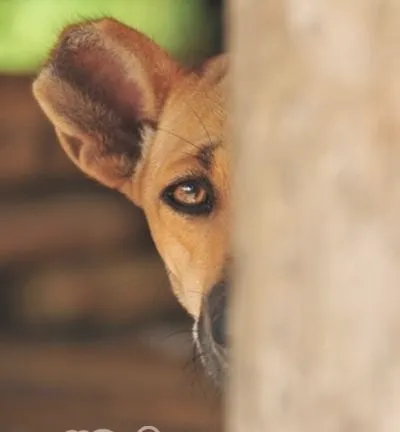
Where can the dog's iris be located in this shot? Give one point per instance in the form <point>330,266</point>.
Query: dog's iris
<point>190,196</point>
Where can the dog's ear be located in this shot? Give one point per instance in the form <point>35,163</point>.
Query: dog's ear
<point>215,69</point>
<point>103,84</point>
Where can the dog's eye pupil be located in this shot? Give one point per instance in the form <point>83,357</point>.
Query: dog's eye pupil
<point>192,196</point>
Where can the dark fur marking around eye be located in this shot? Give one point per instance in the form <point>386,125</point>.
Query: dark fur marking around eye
<point>206,155</point>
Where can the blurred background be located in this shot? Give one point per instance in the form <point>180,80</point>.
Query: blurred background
<point>90,334</point>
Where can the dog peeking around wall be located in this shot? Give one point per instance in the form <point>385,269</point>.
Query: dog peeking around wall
<point>132,118</point>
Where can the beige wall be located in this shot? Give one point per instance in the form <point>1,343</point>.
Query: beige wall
<point>316,312</point>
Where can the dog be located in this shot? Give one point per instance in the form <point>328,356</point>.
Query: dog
<point>135,120</point>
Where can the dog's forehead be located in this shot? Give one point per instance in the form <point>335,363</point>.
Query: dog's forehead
<point>194,117</point>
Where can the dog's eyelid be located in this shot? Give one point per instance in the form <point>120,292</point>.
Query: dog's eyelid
<point>189,174</point>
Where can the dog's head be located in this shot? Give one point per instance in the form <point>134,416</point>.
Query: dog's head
<point>132,118</point>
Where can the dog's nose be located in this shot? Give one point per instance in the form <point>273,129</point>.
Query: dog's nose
<point>216,311</point>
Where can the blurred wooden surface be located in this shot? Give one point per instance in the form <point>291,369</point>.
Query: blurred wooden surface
<point>118,385</point>
<point>27,150</point>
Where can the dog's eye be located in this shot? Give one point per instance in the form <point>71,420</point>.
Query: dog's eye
<point>193,196</point>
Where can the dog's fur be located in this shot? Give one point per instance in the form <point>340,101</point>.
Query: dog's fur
<point>132,118</point>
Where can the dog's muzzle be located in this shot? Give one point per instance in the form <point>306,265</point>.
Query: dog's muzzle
<point>210,332</point>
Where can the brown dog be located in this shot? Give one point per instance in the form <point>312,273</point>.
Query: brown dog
<point>132,118</point>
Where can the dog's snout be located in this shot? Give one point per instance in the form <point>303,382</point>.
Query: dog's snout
<point>216,311</point>
<point>211,331</point>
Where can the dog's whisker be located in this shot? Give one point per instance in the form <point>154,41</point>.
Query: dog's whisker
<point>178,332</point>
<point>198,147</point>
<point>196,114</point>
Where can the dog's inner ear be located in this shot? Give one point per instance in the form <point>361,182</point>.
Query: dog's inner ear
<point>103,85</point>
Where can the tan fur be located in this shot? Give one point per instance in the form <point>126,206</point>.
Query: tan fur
<point>101,79</point>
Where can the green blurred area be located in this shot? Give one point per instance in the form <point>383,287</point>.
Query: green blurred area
<point>28,28</point>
